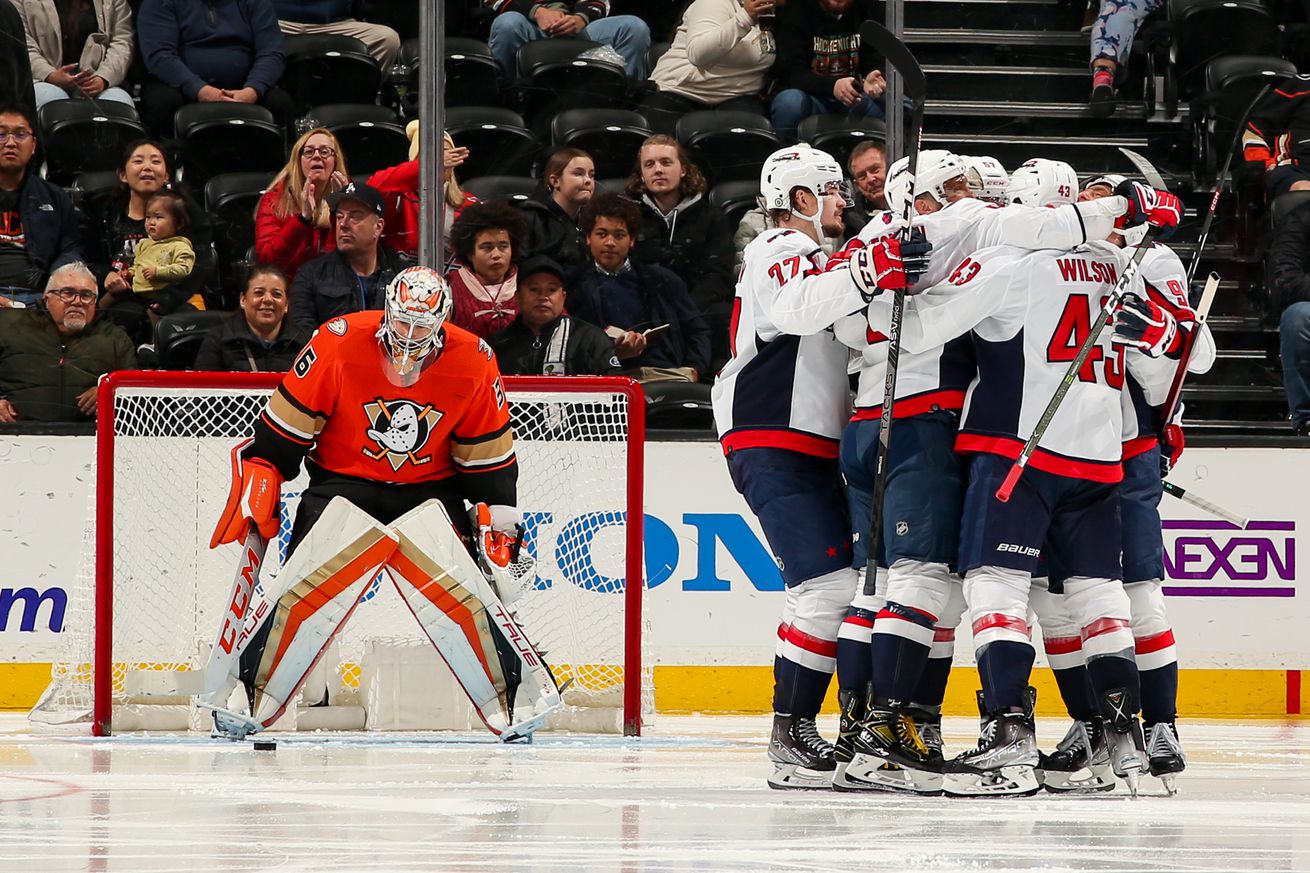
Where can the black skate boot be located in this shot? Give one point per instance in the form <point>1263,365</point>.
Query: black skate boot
<point>1165,754</point>
<point>1123,732</point>
<point>801,758</point>
<point>1004,763</point>
<point>929,720</point>
<point>890,755</point>
<point>852,715</point>
<point>1081,763</point>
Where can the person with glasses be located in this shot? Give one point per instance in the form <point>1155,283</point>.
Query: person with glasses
<point>293,222</point>
<point>868,168</point>
<point>38,229</point>
<point>51,358</point>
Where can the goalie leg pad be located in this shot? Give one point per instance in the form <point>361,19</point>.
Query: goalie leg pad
<point>315,593</point>
<point>490,656</point>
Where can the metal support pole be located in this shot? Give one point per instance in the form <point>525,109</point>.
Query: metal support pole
<point>431,153</point>
<point>895,96</point>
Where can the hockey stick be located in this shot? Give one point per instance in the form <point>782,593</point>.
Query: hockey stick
<point>1175,395</point>
<point>1201,503</point>
<point>239,621</point>
<point>1107,310</point>
<point>915,88</point>
<point>1146,168</point>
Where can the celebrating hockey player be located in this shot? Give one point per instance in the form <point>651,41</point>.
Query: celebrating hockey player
<point>400,418</point>
<point>779,406</point>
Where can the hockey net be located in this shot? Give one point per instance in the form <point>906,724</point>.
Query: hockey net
<point>148,597</point>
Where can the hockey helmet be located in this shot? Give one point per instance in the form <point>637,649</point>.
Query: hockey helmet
<point>799,166</point>
<point>935,168</point>
<point>1110,181</point>
<point>417,303</point>
<point>1043,182</point>
<point>987,178</point>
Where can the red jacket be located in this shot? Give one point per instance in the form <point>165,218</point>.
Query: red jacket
<point>287,242</point>
<point>399,188</point>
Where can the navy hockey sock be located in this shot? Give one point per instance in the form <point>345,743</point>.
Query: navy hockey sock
<point>1109,672</point>
<point>1076,691</point>
<point>1004,667</point>
<point>1160,694</point>
<point>932,682</point>
<point>854,654</point>
<point>898,666</point>
<point>798,690</point>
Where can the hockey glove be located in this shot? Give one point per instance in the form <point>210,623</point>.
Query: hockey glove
<point>1146,326</point>
<point>888,264</point>
<point>1145,204</point>
<point>499,534</point>
<point>1171,448</point>
<point>255,498</point>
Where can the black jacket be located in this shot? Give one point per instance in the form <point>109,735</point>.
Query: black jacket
<point>1289,261</point>
<point>815,49</point>
<point>233,347</point>
<point>42,373</point>
<point>104,242</point>
<point>686,343</point>
<point>326,287</point>
<point>696,243</point>
<point>588,352</point>
<point>552,233</point>
<point>15,66</point>
<point>49,226</point>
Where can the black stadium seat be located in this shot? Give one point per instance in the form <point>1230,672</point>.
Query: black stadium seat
<point>230,200</point>
<point>735,199</point>
<point>553,77</point>
<point>79,136</point>
<point>1207,29</point>
<point>472,75</point>
<point>1285,204</point>
<point>371,136</point>
<point>515,189</point>
<point>498,142</point>
<point>221,137</point>
<point>1231,83</point>
<point>839,134</point>
<point>178,336</point>
<point>611,136</point>
<point>328,68</point>
<point>727,145</point>
<point>91,192</point>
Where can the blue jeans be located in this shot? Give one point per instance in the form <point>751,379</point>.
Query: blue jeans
<point>628,35</point>
<point>1294,333</point>
<point>793,105</point>
<point>47,93</point>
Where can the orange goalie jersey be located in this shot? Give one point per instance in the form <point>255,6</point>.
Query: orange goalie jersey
<point>338,405</point>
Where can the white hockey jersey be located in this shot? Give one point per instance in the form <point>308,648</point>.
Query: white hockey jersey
<point>1029,313</point>
<point>781,389</point>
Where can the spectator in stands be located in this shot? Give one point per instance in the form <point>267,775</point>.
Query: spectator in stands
<point>720,58</point>
<point>399,187</point>
<point>1276,141</point>
<point>568,182</point>
<point>521,21</point>
<point>78,48</point>
<point>868,168</point>
<point>219,51</point>
<point>354,276</point>
<point>1289,286</point>
<point>683,232</point>
<point>821,67</point>
<point>293,222</point>
<point>257,338</point>
<point>658,332</point>
<point>1112,38</point>
<point>51,358</point>
<point>542,340</point>
<point>38,228</point>
<point>488,241</point>
<point>15,67</point>
<point>336,16</point>
<point>165,259</point>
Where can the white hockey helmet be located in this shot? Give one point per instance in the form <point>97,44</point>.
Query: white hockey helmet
<point>417,303</point>
<point>987,178</point>
<point>1042,182</point>
<point>935,168</point>
<point>799,166</point>
<point>1109,180</point>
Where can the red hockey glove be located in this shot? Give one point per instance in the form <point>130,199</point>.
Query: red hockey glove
<point>1157,208</point>
<point>255,498</point>
<point>1146,326</point>
<point>887,264</point>
<point>1171,447</point>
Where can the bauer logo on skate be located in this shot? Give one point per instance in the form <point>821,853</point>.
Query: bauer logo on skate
<point>1214,559</point>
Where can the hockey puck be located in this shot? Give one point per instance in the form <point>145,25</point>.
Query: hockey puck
<point>265,745</point>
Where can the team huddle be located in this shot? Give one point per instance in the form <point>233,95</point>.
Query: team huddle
<point>1004,279</point>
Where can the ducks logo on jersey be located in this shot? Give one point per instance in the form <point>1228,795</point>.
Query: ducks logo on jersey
<point>401,429</point>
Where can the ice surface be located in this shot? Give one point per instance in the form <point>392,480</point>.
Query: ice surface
<point>691,796</point>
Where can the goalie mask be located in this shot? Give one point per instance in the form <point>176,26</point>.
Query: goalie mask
<point>1042,182</point>
<point>935,170</point>
<point>417,303</point>
<point>987,178</point>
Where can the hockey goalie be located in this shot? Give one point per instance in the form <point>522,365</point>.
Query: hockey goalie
<point>400,419</point>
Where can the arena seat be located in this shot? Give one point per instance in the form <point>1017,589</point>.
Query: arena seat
<point>329,68</point>
<point>1231,83</point>
<point>497,140</point>
<point>839,134</point>
<point>1285,204</point>
<point>178,336</point>
<point>79,136</point>
<point>230,200</point>
<point>611,136</point>
<point>735,199</point>
<point>678,405</point>
<point>371,136</point>
<point>217,138</point>
<point>91,191</point>
<point>515,189</point>
<point>727,145</point>
<point>553,77</point>
<point>472,75</point>
<point>613,185</point>
<point>1207,29</point>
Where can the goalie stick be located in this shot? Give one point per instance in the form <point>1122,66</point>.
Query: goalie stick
<point>915,87</point>
<point>1116,295</point>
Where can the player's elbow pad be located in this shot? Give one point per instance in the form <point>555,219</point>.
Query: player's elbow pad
<point>255,498</point>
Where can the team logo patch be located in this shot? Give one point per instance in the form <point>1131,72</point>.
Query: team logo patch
<point>337,326</point>
<point>401,428</point>
<point>902,528</point>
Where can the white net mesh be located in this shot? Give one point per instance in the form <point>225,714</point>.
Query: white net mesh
<point>171,472</point>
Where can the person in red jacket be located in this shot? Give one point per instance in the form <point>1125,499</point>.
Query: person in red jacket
<point>292,222</point>
<point>399,187</point>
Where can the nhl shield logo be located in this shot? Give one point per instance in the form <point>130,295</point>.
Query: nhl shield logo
<point>902,528</point>
<point>401,429</point>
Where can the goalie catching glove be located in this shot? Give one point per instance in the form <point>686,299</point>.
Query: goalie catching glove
<point>890,264</point>
<point>255,498</point>
<point>1145,204</point>
<point>1147,326</point>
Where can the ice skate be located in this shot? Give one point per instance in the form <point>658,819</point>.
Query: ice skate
<point>1124,738</point>
<point>1081,763</point>
<point>1004,764</point>
<point>1165,755</point>
<point>890,755</point>
<point>852,714</point>
<point>801,758</point>
<point>233,726</point>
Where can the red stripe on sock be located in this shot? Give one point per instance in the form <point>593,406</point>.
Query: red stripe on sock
<point>1155,642</point>
<point>943,635</point>
<point>1063,645</point>
<point>996,619</point>
<point>827,648</point>
<point>860,620</point>
<point>1103,626</point>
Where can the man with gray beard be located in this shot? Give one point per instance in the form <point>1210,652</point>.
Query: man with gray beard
<point>52,357</point>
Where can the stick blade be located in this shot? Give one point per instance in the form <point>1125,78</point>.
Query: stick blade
<point>899,56</point>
